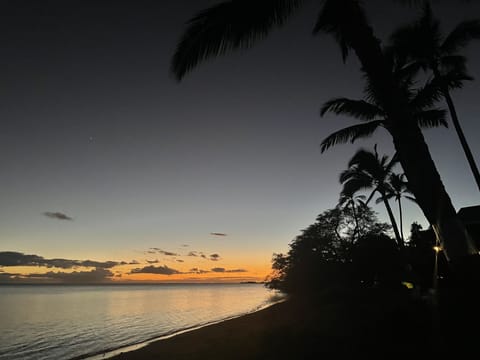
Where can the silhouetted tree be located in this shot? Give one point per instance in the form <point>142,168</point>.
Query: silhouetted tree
<point>425,46</point>
<point>398,188</point>
<point>321,257</point>
<point>366,170</point>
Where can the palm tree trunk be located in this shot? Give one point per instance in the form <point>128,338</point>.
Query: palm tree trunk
<point>392,220</point>
<point>401,218</point>
<point>409,142</point>
<point>354,213</point>
<point>461,136</point>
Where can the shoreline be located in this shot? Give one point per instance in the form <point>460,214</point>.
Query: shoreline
<point>114,353</point>
<point>344,325</point>
<point>206,340</point>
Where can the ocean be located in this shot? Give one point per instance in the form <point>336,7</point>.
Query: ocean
<point>88,322</point>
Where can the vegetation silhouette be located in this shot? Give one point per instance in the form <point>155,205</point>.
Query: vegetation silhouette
<point>366,170</point>
<point>424,46</point>
<point>324,257</point>
<point>398,189</point>
<point>238,24</point>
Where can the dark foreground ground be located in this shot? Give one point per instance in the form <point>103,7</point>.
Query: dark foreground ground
<point>369,323</point>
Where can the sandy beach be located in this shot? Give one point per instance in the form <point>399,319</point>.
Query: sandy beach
<point>296,330</point>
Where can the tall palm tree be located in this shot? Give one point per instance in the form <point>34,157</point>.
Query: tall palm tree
<point>398,189</point>
<point>426,46</point>
<point>238,24</point>
<point>366,170</point>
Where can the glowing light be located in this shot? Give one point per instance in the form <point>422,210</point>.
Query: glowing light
<point>437,248</point>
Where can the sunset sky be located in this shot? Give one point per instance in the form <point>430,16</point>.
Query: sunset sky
<point>110,169</point>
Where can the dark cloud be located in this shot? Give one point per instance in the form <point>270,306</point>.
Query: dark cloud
<point>154,250</point>
<point>9,277</point>
<point>98,264</point>
<point>179,260</point>
<point>198,271</point>
<point>218,234</point>
<point>223,270</point>
<point>168,253</point>
<point>12,258</point>
<point>153,261</point>
<point>57,215</point>
<point>92,276</point>
<point>184,245</point>
<point>214,257</point>
<point>197,254</point>
<point>162,270</point>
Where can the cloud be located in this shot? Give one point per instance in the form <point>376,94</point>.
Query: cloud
<point>153,261</point>
<point>198,271</point>
<point>12,258</point>
<point>168,253</point>
<point>133,262</point>
<point>162,270</point>
<point>214,257</point>
<point>92,276</point>
<point>179,260</point>
<point>223,270</point>
<point>154,250</point>
<point>197,254</point>
<point>184,245</point>
<point>57,215</point>
<point>218,234</point>
<point>98,264</point>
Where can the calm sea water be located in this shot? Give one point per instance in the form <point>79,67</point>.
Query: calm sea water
<point>66,322</point>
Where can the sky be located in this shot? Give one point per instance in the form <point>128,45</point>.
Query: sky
<point>111,170</point>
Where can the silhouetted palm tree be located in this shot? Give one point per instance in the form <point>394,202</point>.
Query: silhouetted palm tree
<point>428,48</point>
<point>352,201</point>
<point>372,114</point>
<point>237,24</point>
<point>366,170</point>
<point>398,189</point>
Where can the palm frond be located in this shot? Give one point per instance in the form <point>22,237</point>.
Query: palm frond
<point>392,163</point>
<point>364,158</point>
<point>358,109</point>
<point>411,198</point>
<point>453,62</point>
<point>426,96</point>
<point>336,16</point>
<point>350,134</point>
<point>230,25</point>
<point>453,79</point>
<point>354,185</point>
<point>431,118</point>
<point>354,173</point>
<point>460,36</point>
<point>379,200</point>
<point>420,39</point>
